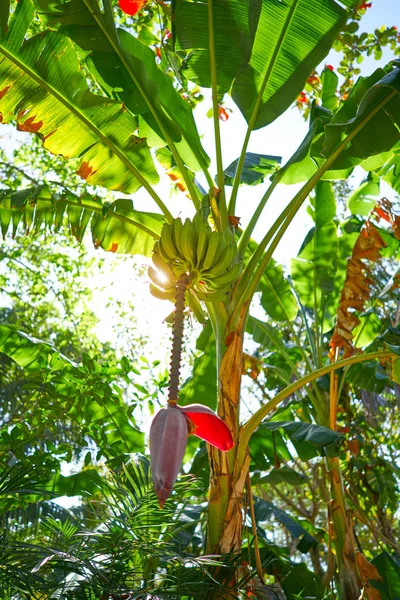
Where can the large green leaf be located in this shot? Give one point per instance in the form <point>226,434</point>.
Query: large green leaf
<point>314,269</point>
<point>277,297</point>
<point>389,569</point>
<point>290,39</point>
<point>371,115</point>
<point>115,226</point>
<point>255,168</point>
<point>22,348</point>
<point>126,69</point>
<point>43,86</point>
<point>231,34</point>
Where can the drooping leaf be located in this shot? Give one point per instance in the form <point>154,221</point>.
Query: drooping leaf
<point>255,168</point>
<point>115,227</point>
<point>290,39</point>
<point>43,86</point>
<point>371,115</point>
<point>126,68</point>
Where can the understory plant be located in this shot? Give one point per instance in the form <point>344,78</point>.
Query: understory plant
<point>117,95</point>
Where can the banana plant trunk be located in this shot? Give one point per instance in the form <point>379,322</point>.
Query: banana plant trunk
<point>228,470</point>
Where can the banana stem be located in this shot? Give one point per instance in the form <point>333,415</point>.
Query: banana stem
<point>177,335</point>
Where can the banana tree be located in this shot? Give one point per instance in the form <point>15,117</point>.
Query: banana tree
<point>53,55</point>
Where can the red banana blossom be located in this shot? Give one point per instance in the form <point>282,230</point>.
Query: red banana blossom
<point>168,438</point>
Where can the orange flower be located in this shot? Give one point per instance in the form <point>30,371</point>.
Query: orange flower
<point>131,7</point>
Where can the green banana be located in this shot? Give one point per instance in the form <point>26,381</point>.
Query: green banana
<point>224,262</point>
<point>203,238</point>
<point>220,251</point>
<point>214,296</point>
<point>224,280</point>
<point>176,229</point>
<point>162,294</point>
<point>187,242</point>
<point>212,248</point>
<point>167,245</point>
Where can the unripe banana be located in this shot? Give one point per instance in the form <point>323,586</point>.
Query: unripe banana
<point>188,242</point>
<point>224,262</point>
<point>176,230</point>
<point>219,252</point>
<point>204,235</point>
<point>167,244</point>
<point>212,248</point>
<point>211,296</point>
<point>162,294</point>
<point>224,280</point>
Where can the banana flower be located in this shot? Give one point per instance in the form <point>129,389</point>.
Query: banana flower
<point>168,438</point>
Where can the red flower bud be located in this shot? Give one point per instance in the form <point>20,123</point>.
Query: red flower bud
<point>168,438</point>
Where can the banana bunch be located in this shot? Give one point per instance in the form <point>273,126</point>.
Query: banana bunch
<point>192,247</point>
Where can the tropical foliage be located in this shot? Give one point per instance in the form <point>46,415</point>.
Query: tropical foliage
<point>300,361</point>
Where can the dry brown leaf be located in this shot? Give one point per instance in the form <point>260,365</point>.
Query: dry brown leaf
<point>367,570</point>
